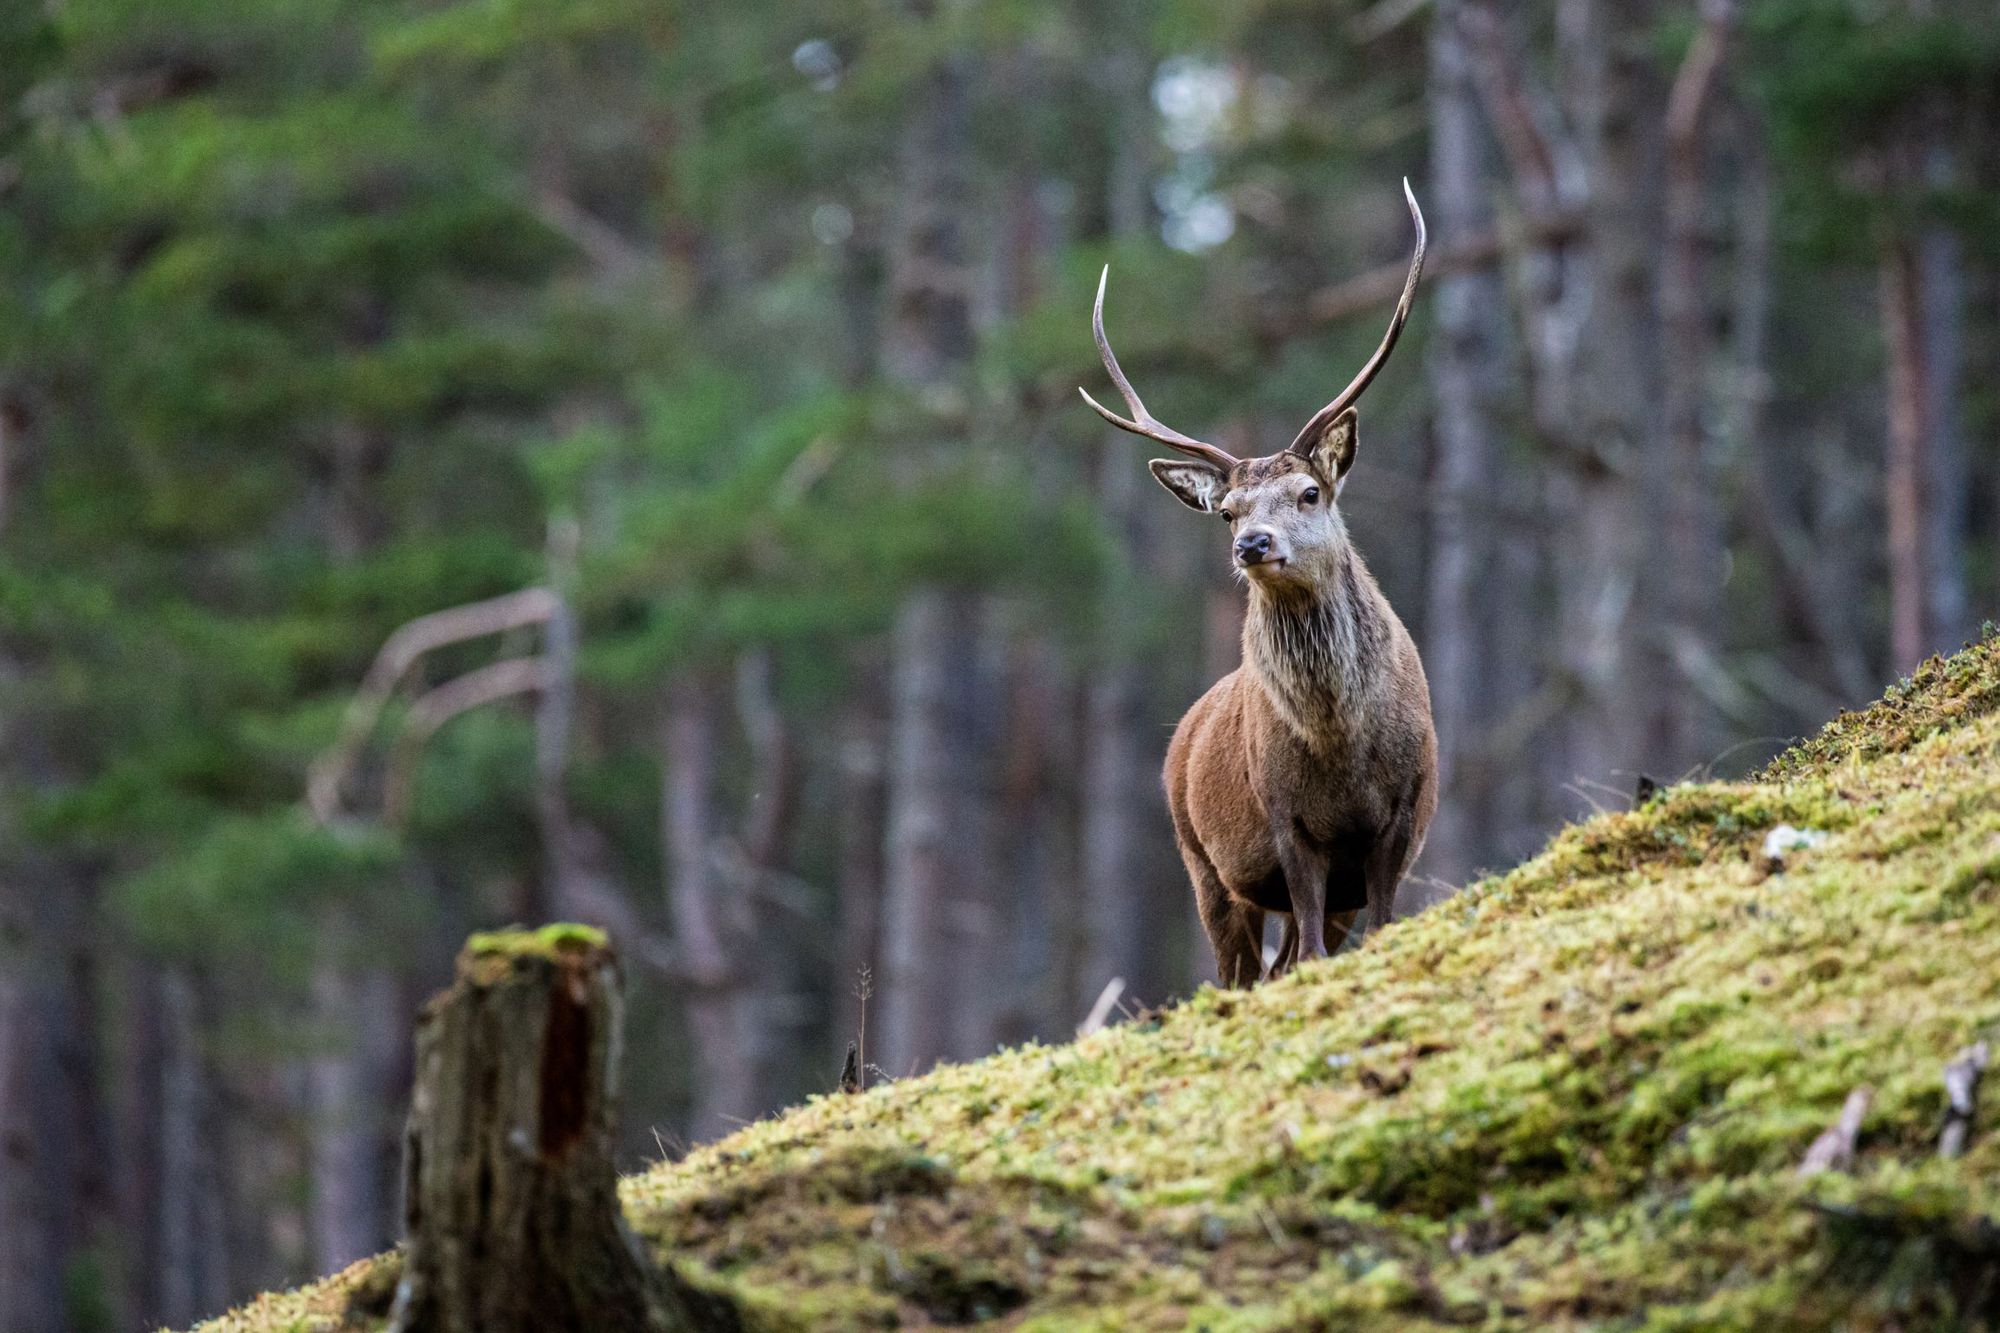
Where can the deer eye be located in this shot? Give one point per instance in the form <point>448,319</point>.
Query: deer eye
<point>1227,517</point>
<point>1310,495</point>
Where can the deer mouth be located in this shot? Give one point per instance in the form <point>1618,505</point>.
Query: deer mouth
<point>1270,564</point>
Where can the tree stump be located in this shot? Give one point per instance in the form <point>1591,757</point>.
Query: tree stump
<point>510,1196</point>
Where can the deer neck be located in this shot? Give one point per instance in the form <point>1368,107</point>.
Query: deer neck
<point>1310,648</point>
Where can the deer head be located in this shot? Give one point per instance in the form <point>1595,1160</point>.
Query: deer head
<point>1280,508</point>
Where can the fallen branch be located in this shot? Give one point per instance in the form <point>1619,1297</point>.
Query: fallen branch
<point>1961,1095</point>
<point>1107,1000</point>
<point>1833,1150</point>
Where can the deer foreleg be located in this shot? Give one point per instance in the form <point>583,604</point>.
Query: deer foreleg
<point>1305,880</point>
<point>1288,951</point>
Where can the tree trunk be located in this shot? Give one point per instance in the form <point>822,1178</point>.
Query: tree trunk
<point>1122,808</point>
<point>141,1061</point>
<point>925,766</point>
<point>927,342</point>
<point>779,928</point>
<point>1941,280</point>
<point>555,723</point>
<point>1466,377</point>
<point>510,1196</point>
<point>1033,862</point>
<point>863,763</point>
<point>193,1253</point>
<point>21,1302</point>
<point>350,1209</point>
<point>55,1167</point>
<point>1905,477</point>
<point>1613,413</point>
<point>1684,729</point>
<point>719,1023</point>
<point>353,1012</point>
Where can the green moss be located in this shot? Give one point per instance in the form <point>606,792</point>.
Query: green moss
<point>1575,1096</point>
<point>547,941</point>
<point>1943,693</point>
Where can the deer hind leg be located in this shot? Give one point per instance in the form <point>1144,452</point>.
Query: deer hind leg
<point>1339,925</point>
<point>1384,872</point>
<point>1235,929</point>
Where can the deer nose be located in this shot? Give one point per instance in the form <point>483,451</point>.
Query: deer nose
<point>1253,546</point>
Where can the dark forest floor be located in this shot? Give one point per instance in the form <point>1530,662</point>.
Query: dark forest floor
<point>1577,1095</point>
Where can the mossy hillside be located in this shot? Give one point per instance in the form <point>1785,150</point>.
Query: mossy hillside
<point>1573,1096</point>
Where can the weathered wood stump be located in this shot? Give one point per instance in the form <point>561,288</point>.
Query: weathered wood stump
<point>511,1199</point>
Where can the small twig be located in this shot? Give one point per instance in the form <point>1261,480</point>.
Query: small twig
<point>864,986</point>
<point>1271,1226</point>
<point>1099,1012</point>
<point>1833,1150</point>
<point>850,1072</point>
<point>1961,1093</point>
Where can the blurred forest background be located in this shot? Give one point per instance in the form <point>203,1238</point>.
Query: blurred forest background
<point>685,396</point>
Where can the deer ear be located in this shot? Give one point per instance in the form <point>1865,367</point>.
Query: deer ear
<point>1332,451</point>
<point>1196,485</point>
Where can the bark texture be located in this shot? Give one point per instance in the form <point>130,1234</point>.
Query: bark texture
<point>931,864</point>
<point>510,1195</point>
<point>1467,374</point>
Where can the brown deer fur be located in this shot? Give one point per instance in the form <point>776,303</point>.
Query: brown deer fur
<point>1303,782</point>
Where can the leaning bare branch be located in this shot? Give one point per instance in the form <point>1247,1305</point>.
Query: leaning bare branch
<point>1697,73</point>
<point>600,242</point>
<point>1510,104</point>
<point>1380,286</point>
<point>1833,1150</point>
<point>399,652</point>
<point>1961,1094</point>
<point>499,680</point>
<point>1382,18</point>
<point>1100,1013</point>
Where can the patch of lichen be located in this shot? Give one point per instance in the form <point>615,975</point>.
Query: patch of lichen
<point>1573,1096</point>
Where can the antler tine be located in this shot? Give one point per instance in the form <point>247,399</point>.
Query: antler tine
<point>1375,363</point>
<point>1143,422</point>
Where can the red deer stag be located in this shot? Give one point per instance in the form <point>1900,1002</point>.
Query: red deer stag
<point>1302,782</point>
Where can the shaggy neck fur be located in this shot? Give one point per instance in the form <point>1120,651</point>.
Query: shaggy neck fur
<point>1309,647</point>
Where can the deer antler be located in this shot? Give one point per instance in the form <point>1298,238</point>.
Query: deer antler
<point>1143,422</point>
<point>1312,429</point>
